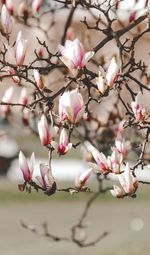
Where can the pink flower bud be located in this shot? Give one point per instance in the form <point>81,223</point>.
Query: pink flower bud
<point>9,5</point>
<point>44,131</point>
<point>6,21</point>
<point>117,192</point>
<point>20,50</point>
<point>64,145</point>
<point>82,179</point>
<point>38,79</point>
<point>7,99</point>
<point>101,84</point>
<point>73,55</point>
<point>71,106</point>
<point>99,158</point>
<point>138,110</point>
<point>115,161</point>
<point>36,5</point>
<point>128,181</point>
<point>27,170</point>
<point>15,78</point>
<point>23,97</point>
<point>112,73</point>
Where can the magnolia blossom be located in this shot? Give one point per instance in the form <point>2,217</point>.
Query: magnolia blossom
<point>101,84</point>
<point>20,50</point>
<point>9,5</point>
<point>12,71</point>
<point>6,21</point>
<point>82,179</point>
<point>128,182</point>
<point>23,9</point>
<point>64,145</point>
<point>112,73</point>
<point>27,170</point>
<point>73,55</point>
<point>99,157</point>
<point>120,143</point>
<point>117,192</point>
<point>38,79</point>
<point>36,4</point>
<point>44,131</point>
<point>71,106</point>
<point>23,97</point>
<point>114,161</point>
<point>138,110</point>
<point>7,99</point>
<point>46,179</point>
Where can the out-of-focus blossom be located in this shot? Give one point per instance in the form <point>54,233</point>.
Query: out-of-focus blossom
<point>117,192</point>
<point>112,73</point>
<point>73,55</point>
<point>114,161</point>
<point>64,145</point>
<point>45,133</point>
<point>36,5</point>
<point>23,9</point>
<point>7,99</point>
<point>27,170</point>
<point>128,182</point>
<point>101,84</point>
<point>20,50</point>
<point>118,127</point>
<point>81,180</point>
<point>23,97</point>
<point>15,78</point>
<point>38,79</point>
<point>9,5</point>
<point>99,157</point>
<point>6,21</point>
<point>71,106</point>
<point>137,108</point>
<point>69,33</point>
<point>120,143</point>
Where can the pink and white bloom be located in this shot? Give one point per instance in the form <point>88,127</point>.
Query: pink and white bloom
<point>71,106</point>
<point>6,21</point>
<point>64,146</point>
<point>83,178</point>
<point>99,157</point>
<point>20,50</point>
<point>7,99</point>
<point>45,133</point>
<point>9,5</point>
<point>15,78</point>
<point>46,179</point>
<point>73,55</point>
<point>23,97</point>
<point>114,161</point>
<point>120,144</point>
<point>36,5</point>
<point>27,170</point>
<point>38,79</point>
<point>101,83</point>
<point>112,73</point>
<point>117,192</point>
<point>137,108</point>
<point>128,182</point>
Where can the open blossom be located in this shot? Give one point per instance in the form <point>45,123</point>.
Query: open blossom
<point>36,5</point>
<point>71,106</point>
<point>120,144</point>
<point>38,79</point>
<point>83,178</point>
<point>45,132</point>
<point>73,54</point>
<point>23,97</point>
<point>63,146</point>
<point>112,73</point>
<point>6,21</point>
<point>99,157</point>
<point>27,170</point>
<point>7,99</point>
<point>20,50</point>
<point>138,110</point>
<point>128,182</point>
